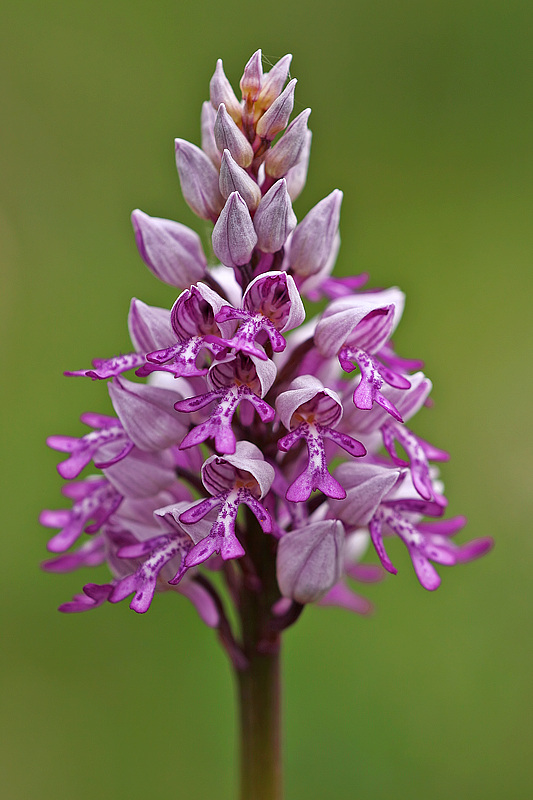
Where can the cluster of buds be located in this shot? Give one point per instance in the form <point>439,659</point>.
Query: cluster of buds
<point>253,425</point>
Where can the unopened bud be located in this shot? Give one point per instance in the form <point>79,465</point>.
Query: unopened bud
<point>228,136</point>
<point>169,249</point>
<point>274,219</point>
<point>209,146</point>
<point>309,560</point>
<point>273,81</point>
<point>287,151</point>
<point>252,76</point>
<point>149,327</point>
<point>275,119</point>
<point>220,91</point>
<point>314,238</point>
<point>199,180</point>
<point>297,175</point>
<point>235,179</point>
<point>234,236</point>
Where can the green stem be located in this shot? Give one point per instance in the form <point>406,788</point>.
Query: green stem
<point>259,698</point>
<point>259,685</point>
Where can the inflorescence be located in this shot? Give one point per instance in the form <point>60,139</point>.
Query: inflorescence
<point>253,422</point>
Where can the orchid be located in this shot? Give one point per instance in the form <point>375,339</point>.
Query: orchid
<point>251,458</point>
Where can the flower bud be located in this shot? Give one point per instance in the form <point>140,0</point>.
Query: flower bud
<point>234,236</point>
<point>314,237</point>
<point>309,560</point>
<point>169,249</point>
<point>273,81</point>
<point>220,91</point>
<point>235,179</point>
<point>287,151</point>
<point>228,136</point>
<point>297,175</point>
<point>313,284</point>
<point>199,180</point>
<point>274,219</point>
<point>209,146</point>
<point>149,327</point>
<point>252,76</point>
<point>275,119</point>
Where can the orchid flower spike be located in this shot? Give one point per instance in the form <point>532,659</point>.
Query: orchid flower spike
<point>244,439</point>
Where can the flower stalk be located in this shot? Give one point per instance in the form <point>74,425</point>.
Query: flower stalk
<point>259,694</point>
<point>259,683</point>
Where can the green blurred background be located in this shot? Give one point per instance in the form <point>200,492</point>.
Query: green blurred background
<point>422,114</point>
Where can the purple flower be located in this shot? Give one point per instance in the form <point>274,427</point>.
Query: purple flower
<point>378,421</point>
<point>156,556</point>
<point>289,150</point>
<point>270,305</point>
<point>233,380</point>
<point>356,328</point>
<point>275,119</point>
<point>193,322</point>
<point>272,83</point>
<point>231,480</point>
<point>144,545</point>
<point>311,412</point>
<point>234,178</point>
<point>296,177</point>
<point>274,219</point>
<point>220,91</point>
<point>147,414</point>
<point>252,78</point>
<point>390,505</point>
